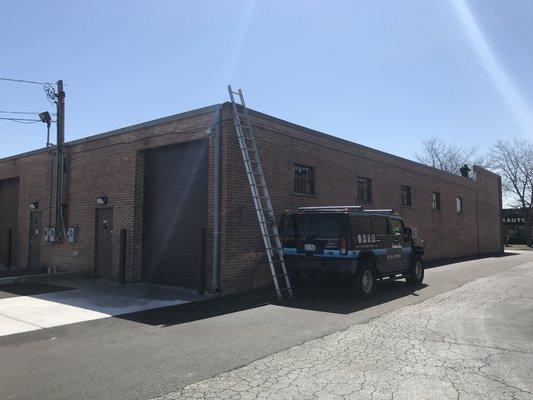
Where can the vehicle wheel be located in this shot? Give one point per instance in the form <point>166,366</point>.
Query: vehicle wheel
<point>416,272</point>
<point>364,282</point>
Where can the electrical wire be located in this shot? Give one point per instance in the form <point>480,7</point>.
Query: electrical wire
<point>21,120</point>
<point>18,112</point>
<point>24,81</point>
<point>47,86</point>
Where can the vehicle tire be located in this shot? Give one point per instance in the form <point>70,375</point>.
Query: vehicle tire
<point>416,272</point>
<point>364,281</point>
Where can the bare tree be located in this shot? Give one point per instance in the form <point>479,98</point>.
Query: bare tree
<point>448,156</point>
<point>513,160</point>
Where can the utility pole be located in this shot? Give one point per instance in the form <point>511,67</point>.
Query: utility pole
<point>60,105</point>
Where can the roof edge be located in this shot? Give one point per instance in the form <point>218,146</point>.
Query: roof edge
<point>127,129</point>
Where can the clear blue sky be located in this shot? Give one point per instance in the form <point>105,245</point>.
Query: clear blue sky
<point>385,74</point>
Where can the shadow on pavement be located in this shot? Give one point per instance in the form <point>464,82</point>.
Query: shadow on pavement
<point>451,261</point>
<point>29,289</point>
<point>329,297</point>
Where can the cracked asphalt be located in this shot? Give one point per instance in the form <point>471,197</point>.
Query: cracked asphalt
<point>474,342</point>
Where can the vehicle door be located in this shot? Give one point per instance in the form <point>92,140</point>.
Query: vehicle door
<point>361,231</point>
<point>398,254</point>
<point>381,228</point>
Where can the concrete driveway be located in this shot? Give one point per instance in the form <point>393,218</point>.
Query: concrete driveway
<point>33,306</point>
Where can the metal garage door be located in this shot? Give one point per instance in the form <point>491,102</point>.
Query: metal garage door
<point>9,195</point>
<point>175,211</point>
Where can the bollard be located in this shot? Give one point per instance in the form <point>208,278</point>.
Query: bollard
<point>203,267</point>
<point>9,248</point>
<point>122,264</point>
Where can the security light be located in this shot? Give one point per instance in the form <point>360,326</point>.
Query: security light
<point>45,117</point>
<point>34,205</point>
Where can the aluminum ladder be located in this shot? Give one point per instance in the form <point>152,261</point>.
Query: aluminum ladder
<point>258,187</point>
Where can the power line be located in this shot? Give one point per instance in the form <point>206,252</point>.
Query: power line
<point>22,120</point>
<point>24,81</point>
<point>18,112</point>
<point>23,112</point>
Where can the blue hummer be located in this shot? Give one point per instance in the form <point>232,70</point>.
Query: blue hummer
<point>360,245</point>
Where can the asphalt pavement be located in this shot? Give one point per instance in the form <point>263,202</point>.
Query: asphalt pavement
<point>150,353</point>
<point>474,342</point>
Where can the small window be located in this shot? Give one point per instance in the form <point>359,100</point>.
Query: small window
<point>364,189</point>
<point>435,201</point>
<point>304,179</point>
<point>406,196</point>
<point>458,205</point>
<point>396,227</point>
<point>381,226</point>
<point>361,225</point>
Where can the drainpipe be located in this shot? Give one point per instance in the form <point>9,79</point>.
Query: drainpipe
<point>216,203</point>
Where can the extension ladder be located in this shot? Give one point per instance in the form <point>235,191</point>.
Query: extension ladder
<point>258,187</point>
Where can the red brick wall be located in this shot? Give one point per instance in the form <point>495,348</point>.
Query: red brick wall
<point>109,165</point>
<point>113,166</point>
<point>337,164</point>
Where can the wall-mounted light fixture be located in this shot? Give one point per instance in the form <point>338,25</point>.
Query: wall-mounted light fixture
<point>34,205</point>
<point>102,200</point>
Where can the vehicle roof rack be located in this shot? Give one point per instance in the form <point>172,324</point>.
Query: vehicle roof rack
<point>383,210</point>
<point>330,209</point>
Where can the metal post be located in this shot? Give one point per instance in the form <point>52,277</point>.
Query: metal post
<point>203,264</point>
<point>122,265</point>
<point>60,119</point>
<point>9,248</point>
<point>216,202</point>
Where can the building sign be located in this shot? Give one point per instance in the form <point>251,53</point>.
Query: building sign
<point>514,220</point>
<point>513,217</point>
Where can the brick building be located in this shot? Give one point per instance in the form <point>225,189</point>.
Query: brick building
<point>169,180</point>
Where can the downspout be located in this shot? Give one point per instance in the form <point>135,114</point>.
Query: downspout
<point>216,203</point>
<point>477,222</point>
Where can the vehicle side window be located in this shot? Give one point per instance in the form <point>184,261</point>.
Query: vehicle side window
<point>287,226</point>
<point>361,225</point>
<point>396,227</point>
<point>381,226</point>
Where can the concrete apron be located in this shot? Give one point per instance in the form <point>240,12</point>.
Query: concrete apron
<point>79,300</point>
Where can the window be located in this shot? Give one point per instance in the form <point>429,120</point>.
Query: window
<point>406,196</point>
<point>397,227</point>
<point>361,225</point>
<point>304,179</point>
<point>318,226</point>
<point>364,189</point>
<point>381,226</point>
<point>458,205</point>
<point>435,201</point>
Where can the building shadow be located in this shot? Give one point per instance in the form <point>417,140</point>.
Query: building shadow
<point>454,260</point>
<point>329,297</point>
<point>30,289</point>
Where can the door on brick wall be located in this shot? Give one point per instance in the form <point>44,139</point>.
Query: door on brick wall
<point>175,211</point>
<point>103,243</point>
<point>9,194</point>
<point>35,239</point>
